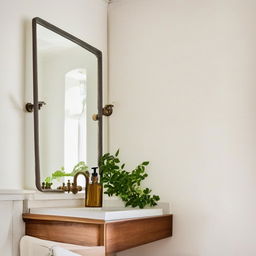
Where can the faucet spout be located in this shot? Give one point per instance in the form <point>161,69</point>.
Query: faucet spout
<point>75,188</point>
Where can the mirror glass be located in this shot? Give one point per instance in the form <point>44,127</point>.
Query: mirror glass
<point>67,97</point>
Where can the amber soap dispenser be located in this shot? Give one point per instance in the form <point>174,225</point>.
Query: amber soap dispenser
<point>94,191</point>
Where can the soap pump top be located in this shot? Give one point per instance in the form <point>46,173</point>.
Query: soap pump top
<point>94,175</point>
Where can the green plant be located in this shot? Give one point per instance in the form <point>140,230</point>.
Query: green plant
<point>126,185</point>
<point>80,167</point>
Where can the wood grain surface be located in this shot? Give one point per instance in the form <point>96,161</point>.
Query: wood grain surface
<point>66,232</point>
<point>122,235</point>
<point>115,235</point>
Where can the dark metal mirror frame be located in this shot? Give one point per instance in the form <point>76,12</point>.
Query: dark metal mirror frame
<point>84,45</point>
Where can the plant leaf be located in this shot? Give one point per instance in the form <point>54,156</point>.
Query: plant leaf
<point>117,153</point>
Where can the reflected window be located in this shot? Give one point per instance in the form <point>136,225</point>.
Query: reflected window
<point>75,118</point>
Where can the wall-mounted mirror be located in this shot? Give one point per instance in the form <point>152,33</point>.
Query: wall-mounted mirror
<point>67,80</point>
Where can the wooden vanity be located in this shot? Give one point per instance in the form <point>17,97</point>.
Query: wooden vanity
<point>115,235</point>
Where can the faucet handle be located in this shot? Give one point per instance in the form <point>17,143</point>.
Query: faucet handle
<point>68,186</point>
<point>63,187</point>
<point>75,189</point>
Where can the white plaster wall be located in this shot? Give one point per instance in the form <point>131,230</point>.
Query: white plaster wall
<point>182,78</point>
<point>86,19</point>
<point>12,226</point>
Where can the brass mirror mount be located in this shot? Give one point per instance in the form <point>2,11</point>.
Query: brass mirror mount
<point>106,111</point>
<point>30,107</point>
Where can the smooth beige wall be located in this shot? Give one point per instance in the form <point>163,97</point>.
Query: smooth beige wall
<point>183,82</point>
<point>86,19</point>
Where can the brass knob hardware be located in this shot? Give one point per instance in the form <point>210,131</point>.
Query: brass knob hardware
<point>30,107</point>
<point>106,111</point>
<point>95,117</point>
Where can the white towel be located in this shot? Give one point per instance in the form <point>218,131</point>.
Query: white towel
<point>31,246</point>
<point>58,251</point>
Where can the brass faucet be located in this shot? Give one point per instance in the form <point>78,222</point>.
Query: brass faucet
<point>93,191</point>
<point>76,188</point>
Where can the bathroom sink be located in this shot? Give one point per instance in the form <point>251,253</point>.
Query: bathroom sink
<point>107,214</point>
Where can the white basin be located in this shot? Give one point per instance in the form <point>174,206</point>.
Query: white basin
<point>99,213</point>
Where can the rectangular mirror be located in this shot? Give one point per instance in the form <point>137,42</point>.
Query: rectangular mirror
<point>67,80</point>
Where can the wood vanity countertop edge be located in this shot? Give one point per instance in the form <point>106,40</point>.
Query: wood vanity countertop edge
<point>31,216</point>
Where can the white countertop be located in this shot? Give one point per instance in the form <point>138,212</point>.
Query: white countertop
<point>99,213</point>
<point>47,199</point>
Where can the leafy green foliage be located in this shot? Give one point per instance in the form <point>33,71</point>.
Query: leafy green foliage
<point>126,185</point>
<point>80,167</point>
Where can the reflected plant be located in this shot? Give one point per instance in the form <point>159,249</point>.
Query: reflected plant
<point>79,167</point>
